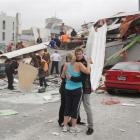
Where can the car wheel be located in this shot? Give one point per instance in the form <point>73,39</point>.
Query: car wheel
<point>110,91</point>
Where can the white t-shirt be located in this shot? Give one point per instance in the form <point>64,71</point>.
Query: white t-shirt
<point>55,57</point>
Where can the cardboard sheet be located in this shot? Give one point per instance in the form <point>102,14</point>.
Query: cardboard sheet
<point>26,75</point>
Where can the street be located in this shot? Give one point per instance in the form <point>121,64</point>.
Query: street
<point>37,118</point>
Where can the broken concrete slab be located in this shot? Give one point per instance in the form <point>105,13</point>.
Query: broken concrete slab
<point>138,122</point>
<point>128,104</point>
<point>8,112</point>
<point>55,133</point>
<point>122,130</point>
<point>50,121</point>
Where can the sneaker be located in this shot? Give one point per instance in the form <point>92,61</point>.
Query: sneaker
<point>74,130</point>
<point>40,87</point>
<point>11,88</point>
<point>89,131</point>
<point>64,129</point>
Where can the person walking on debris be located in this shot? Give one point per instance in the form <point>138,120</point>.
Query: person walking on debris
<point>55,58</point>
<point>62,91</point>
<point>10,70</point>
<point>42,70</point>
<point>86,90</point>
<point>73,92</point>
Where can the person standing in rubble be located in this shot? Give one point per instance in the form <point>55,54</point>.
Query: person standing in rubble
<point>73,33</point>
<point>46,56</point>
<point>10,70</point>
<point>64,41</point>
<point>57,40</point>
<point>55,58</point>
<point>20,45</point>
<point>42,70</point>
<point>52,44</point>
<point>62,29</point>
<point>39,40</point>
<point>10,47</point>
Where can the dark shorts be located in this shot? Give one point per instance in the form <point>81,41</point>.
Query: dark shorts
<point>72,102</point>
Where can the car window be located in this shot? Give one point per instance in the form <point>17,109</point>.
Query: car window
<point>119,66</point>
<point>126,66</point>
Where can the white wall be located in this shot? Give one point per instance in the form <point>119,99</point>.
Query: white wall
<point>9,30</point>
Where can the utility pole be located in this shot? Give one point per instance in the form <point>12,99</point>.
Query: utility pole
<point>139,5</point>
<point>18,26</point>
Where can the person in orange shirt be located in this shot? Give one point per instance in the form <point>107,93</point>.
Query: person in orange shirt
<point>64,40</point>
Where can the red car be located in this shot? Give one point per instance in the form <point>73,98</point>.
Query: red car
<point>123,77</point>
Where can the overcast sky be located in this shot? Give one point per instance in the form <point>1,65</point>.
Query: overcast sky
<point>73,12</point>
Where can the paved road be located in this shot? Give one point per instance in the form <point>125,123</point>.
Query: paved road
<point>38,120</point>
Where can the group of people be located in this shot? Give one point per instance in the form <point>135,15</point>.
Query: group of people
<point>62,40</point>
<point>75,87</point>
<point>11,47</point>
<point>41,61</point>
